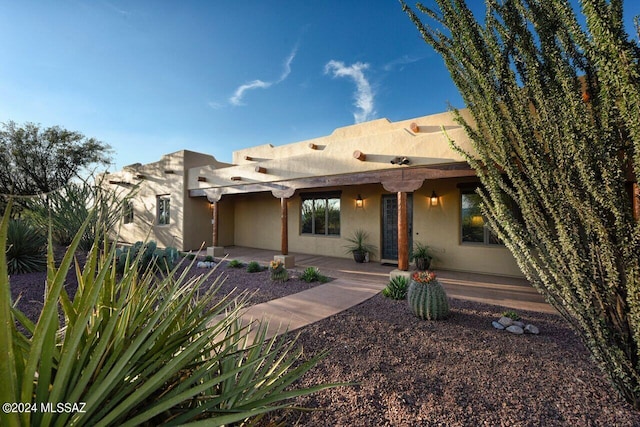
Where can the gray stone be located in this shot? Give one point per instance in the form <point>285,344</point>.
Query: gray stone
<point>205,264</point>
<point>530,329</point>
<point>518,323</point>
<point>497,325</point>
<point>505,321</point>
<point>515,330</point>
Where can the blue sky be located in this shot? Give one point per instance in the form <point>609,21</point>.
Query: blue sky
<point>153,77</point>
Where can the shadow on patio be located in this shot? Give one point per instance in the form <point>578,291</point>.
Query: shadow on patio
<point>508,292</point>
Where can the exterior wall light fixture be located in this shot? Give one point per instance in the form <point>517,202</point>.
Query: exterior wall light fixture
<point>434,198</point>
<point>359,201</point>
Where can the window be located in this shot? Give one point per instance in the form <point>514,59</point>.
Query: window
<point>474,226</point>
<point>320,214</point>
<point>164,215</point>
<point>127,212</point>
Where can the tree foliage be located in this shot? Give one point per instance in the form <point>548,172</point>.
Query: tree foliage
<point>65,210</point>
<point>555,127</point>
<point>35,160</point>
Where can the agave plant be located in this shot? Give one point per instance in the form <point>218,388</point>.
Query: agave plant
<point>138,350</point>
<point>397,288</point>
<point>26,248</point>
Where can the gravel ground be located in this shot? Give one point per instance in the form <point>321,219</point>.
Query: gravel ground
<point>30,287</point>
<point>456,372</point>
<point>410,372</point>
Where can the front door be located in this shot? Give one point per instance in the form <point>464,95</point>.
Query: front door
<point>390,226</point>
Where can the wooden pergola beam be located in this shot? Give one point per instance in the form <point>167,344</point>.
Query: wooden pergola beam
<point>452,170</point>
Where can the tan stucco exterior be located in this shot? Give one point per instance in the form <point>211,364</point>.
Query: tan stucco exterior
<point>190,220</point>
<point>249,192</point>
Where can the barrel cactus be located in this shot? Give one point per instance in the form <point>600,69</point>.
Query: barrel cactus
<point>427,297</point>
<point>278,271</point>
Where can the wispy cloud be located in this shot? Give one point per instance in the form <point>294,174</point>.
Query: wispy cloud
<point>401,62</point>
<point>364,96</point>
<point>287,64</point>
<point>236,99</point>
<point>239,93</point>
<point>118,10</point>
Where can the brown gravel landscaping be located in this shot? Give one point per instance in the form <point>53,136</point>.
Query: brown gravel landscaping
<point>409,372</point>
<point>258,286</point>
<point>455,372</point>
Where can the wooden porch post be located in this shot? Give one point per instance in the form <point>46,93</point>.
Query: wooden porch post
<point>283,194</point>
<point>284,225</point>
<point>214,223</point>
<point>403,242</point>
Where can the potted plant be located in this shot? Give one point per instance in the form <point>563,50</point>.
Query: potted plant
<point>426,296</point>
<point>358,245</point>
<point>422,256</point>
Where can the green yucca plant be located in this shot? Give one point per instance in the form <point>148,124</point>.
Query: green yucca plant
<point>26,248</point>
<point>138,350</point>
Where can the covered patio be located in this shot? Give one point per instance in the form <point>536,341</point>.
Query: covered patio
<point>509,292</point>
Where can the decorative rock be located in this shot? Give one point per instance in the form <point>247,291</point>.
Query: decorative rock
<point>497,325</point>
<point>518,323</point>
<point>205,264</point>
<point>530,329</point>
<point>515,330</point>
<point>505,321</point>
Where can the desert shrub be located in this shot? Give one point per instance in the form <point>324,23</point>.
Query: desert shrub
<point>511,315</point>
<point>68,208</point>
<point>26,248</point>
<point>254,267</point>
<point>234,263</point>
<point>553,99</point>
<point>208,258</point>
<point>312,274</point>
<point>139,350</point>
<point>397,288</point>
<point>150,257</point>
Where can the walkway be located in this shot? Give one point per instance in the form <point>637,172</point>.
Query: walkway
<point>356,283</point>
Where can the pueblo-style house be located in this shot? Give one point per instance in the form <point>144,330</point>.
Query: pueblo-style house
<point>398,181</point>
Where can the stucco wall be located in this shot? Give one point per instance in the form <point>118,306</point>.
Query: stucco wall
<point>226,228</point>
<point>257,224</point>
<point>257,221</point>
<point>145,225</point>
<point>189,224</point>
<point>439,228</point>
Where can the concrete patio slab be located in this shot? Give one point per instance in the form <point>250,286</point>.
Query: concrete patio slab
<point>306,307</point>
<point>355,283</point>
